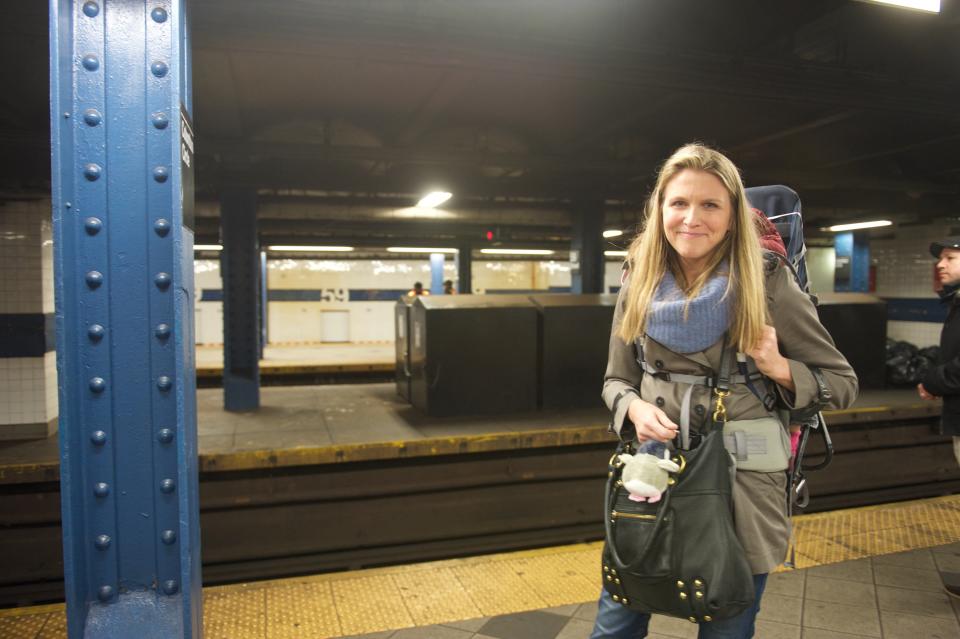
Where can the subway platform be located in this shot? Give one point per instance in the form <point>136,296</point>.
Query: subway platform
<point>864,572</point>
<point>298,487</point>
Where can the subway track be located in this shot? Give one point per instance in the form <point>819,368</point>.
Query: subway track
<point>286,513</point>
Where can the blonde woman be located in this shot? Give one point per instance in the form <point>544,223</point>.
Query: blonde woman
<point>697,273</point>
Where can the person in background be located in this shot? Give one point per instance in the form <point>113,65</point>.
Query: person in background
<point>448,288</point>
<point>943,380</point>
<point>417,290</point>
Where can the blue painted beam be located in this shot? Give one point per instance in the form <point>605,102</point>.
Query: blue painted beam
<point>122,174</point>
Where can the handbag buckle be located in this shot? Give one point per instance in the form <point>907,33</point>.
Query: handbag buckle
<point>720,413</point>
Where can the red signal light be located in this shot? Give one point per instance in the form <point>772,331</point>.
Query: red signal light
<point>489,235</point>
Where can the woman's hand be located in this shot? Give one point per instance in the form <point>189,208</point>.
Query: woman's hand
<point>650,422</point>
<point>766,353</point>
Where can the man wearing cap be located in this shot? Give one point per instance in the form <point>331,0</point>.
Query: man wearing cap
<point>943,380</point>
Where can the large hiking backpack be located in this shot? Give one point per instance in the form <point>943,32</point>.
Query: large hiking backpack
<point>781,205</point>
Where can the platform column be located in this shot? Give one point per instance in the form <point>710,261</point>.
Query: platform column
<point>240,265</point>
<point>587,248</point>
<point>465,269</point>
<point>122,185</point>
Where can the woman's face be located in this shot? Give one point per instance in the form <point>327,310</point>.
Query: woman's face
<point>697,215</point>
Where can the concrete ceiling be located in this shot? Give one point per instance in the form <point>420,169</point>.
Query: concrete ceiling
<point>344,112</point>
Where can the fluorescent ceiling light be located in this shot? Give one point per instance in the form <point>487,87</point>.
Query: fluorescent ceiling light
<point>858,225</point>
<point>931,6</point>
<point>494,251</point>
<point>207,247</point>
<point>417,249</point>
<point>612,233</point>
<point>436,198</point>
<point>311,249</point>
<point>615,253</point>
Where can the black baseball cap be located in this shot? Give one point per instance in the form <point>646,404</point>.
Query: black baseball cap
<point>952,242</point>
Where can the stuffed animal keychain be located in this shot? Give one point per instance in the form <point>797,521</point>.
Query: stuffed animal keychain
<point>645,476</point>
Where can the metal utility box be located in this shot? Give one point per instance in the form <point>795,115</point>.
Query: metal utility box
<point>402,341</point>
<point>858,324</point>
<point>574,339</point>
<point>473,354</point>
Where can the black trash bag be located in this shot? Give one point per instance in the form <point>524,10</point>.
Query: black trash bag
<point>903,363</point>
<point>931,353</point>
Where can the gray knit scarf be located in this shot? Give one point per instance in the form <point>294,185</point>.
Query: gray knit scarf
<point>708,316</point>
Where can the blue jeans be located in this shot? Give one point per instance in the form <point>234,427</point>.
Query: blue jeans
<point>616,622</point>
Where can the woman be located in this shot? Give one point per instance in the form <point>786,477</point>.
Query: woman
<point>697,273</point>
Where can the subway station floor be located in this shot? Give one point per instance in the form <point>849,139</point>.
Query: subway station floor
<point>863,572</point>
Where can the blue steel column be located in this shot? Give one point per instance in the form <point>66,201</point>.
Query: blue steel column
<point>240,266</point>
<point>123,243</point>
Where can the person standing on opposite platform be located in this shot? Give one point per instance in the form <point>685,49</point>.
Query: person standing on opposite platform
<point>417,290</point>
<point>943,380</point>
<point>697,273</point>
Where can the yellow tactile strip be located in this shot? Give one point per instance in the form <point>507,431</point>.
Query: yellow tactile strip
<point>343,604</point>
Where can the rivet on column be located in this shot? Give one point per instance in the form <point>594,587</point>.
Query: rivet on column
<point>164,383</point>
<point>167,485</point>
<point>98,384</point>
<point>102,542</point>
<point>161,227</point>
<point>105,593</point>
<point>159,68</point>
<point>92,117</point>
<point>159,14</point>
<point>162,280</point>
<point>91,62</point>
<point>168,537</point>
<point>170,587</point>
<point>165,435</point>
<point>94,279</point>
<point>101,489</point>
<point>160,174</point>
<point>92,172</point>
<point>91,9</point>
<point>98,437</point>
<point>95,332</point>
<point>92,225</point>
<point>159,120</point>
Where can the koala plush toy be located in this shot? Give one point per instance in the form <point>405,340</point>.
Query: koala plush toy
<point>645,475</point>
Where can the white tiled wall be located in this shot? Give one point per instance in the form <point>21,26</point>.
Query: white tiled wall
<point>28,386</point>
<point>22,391</point>
<point>368,321</point>
<point>20,256</point>
<point>920,334</point>
<point>905,268</point>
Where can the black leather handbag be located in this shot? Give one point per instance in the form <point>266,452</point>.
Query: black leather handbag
<point>679,556</point>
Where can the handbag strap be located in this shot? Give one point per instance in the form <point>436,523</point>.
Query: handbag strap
<point>609,497</point>
<point>722,388</point>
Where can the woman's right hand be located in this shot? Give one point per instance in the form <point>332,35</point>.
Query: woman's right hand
<point>650,422</point>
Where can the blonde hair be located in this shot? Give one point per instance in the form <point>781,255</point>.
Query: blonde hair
<point>650,254</point>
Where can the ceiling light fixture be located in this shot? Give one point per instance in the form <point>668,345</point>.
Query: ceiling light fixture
<point>615,253</point>
<point>417,249</point>
<point>436,198</point>
<point>207,247</point>
<point>930,6</point>
<point>858,225</point>
<point>497,251</point>
<point>612,233</point>
<point>311,249</point>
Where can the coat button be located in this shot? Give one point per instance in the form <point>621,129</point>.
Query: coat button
<point>699,410</point>
<point>659,401</point>
<point>658,363</point>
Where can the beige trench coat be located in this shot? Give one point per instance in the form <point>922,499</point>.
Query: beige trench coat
<point>759,498</point>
